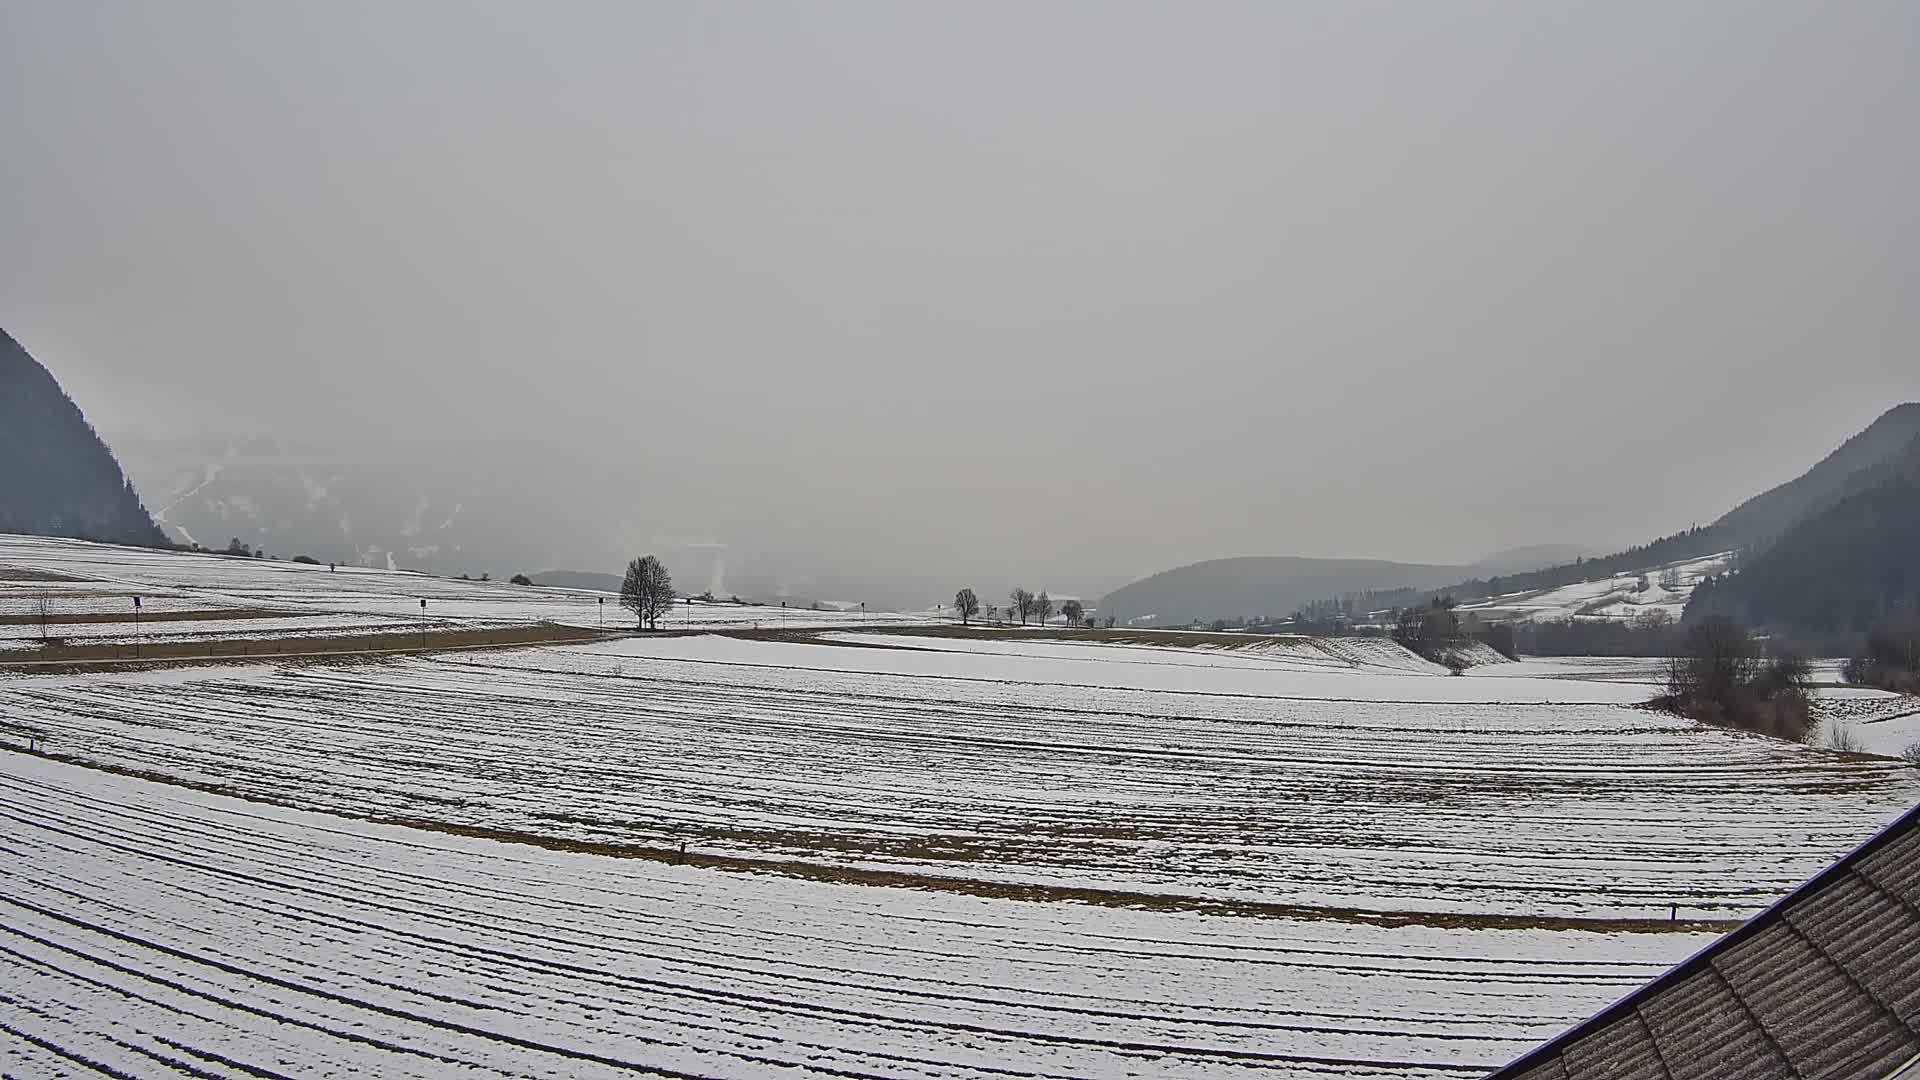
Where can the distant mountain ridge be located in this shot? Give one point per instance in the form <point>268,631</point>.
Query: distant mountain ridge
<point>56,477</point>
<point>1752,526</point>
<point>1871,461</point>
<point>1519,560</point>
<point>1774,511</point>
<point>1273,586</point>
<point>1260,586</point>
<point>1840,568</point>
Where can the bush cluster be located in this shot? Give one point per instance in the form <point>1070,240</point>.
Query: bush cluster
<point>1892,657</point>
<point>1720,678</point>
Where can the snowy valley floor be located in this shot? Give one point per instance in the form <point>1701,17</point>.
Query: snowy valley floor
<point>909,854</point>
<point>145,927</point>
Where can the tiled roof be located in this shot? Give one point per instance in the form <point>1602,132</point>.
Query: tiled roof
<point>1825,984</point>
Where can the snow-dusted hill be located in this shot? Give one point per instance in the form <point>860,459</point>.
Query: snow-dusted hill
<point>1619,597</point>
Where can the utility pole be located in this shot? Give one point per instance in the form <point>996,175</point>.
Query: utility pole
<point>137,633</point>
<point>603,613</point>
<point>423,623</point>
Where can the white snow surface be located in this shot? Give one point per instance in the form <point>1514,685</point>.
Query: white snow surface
<point>144,925</point>
<point>111,575</point>
<point>1613,597</point>
<point>1264,807</point>
<point>1322,669</point>
<point>1164,771</point>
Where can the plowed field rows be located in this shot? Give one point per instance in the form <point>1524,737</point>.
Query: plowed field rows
<point>842,756</point>
<point>158,932</point>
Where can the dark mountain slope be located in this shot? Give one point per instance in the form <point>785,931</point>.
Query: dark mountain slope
<point>1859,463</point>
<point>1840,569</point>
<point>1519,560</point>
<point>1772,512</point>
<point>1274,587</point>
<point>56,477</point>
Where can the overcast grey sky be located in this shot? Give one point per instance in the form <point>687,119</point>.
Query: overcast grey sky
<point>1104,284</point>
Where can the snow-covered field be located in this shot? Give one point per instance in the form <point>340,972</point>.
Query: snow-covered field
<point>1878,721</point>
<point>148,929</point>
<point>908,853</point>
<point>1616,596</point>
<point>317,624</point>
<point>76,577</point>
<point>1198,776</point>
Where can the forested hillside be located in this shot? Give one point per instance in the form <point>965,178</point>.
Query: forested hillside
<point>1840,570</point>
<point>1858,464</point>
<point>56,477</point>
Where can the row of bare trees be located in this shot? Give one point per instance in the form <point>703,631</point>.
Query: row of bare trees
<point>1022,605</point>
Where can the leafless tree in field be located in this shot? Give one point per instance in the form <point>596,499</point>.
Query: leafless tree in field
<point>647,590</point>
<point>43,607</point>
<point>1074,611</point>
<point>1021,604</point>
<point>1043,607</point>
<point>967,604</point>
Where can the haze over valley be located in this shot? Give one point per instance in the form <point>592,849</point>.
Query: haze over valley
<point>843,540</point>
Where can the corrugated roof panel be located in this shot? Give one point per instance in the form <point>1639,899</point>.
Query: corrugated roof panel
<point>1622,1051</point>
<point>1706,1034</point>
<point>1814,1013</point>
<point>1860,927</point>
<point>1825,985</point>
<point>1896,866</point>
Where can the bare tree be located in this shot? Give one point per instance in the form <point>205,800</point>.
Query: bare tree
<point>1429,629</point>
<point>1841,737</point>
<point>1074,611</point>
<point>647,590</point>
<point>1043,607</point>
<point>967,604</point>
<point>1021,604</point>
<point>43,607</point>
